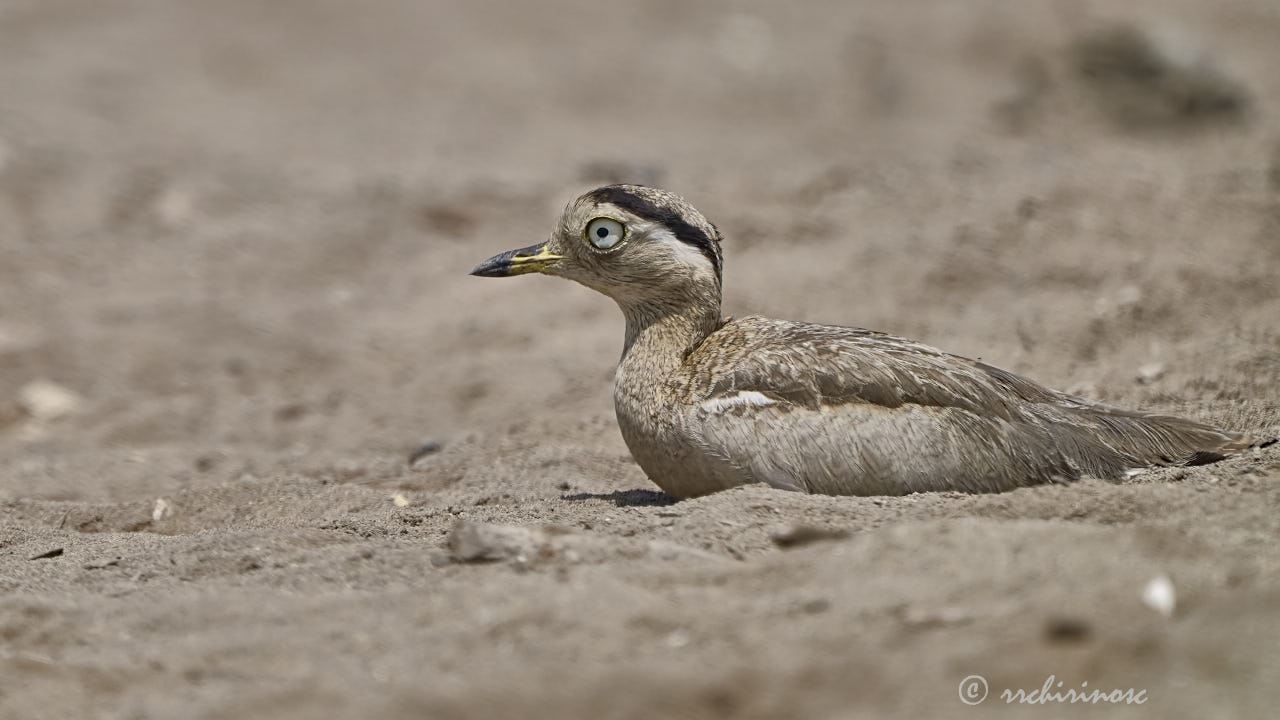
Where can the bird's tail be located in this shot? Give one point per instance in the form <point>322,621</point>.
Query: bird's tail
<point>1110,443</point>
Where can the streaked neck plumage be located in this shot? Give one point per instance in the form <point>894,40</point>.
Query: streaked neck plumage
<point>662,332</point>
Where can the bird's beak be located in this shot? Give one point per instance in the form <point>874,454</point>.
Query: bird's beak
<point>535,258</point>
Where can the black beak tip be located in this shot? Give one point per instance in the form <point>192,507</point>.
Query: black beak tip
<point>493,267</point>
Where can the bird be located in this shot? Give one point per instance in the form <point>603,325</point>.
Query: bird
<point>706,403</point>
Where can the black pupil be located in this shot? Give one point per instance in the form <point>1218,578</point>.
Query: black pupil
<point>602,232</point>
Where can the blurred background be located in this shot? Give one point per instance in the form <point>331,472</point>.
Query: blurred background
<point>234,246</point>
<point>236,234</point>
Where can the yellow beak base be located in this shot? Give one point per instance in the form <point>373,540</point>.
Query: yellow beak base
<point>535,258</point>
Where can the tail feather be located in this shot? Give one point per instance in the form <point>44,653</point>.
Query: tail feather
<point>1107,442</point>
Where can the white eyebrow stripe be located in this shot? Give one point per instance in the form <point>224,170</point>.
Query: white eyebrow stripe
<point>741,398</point>
<point>685,253</point>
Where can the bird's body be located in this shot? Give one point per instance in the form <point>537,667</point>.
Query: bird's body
<point>705,403</point>
<point>844,411</point>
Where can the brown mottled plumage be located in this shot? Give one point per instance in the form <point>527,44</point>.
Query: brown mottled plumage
<point>706,403</point>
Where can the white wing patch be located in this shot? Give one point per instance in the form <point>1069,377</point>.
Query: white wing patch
<point>739,399</point>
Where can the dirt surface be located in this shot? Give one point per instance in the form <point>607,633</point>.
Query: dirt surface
<point>234,245</point>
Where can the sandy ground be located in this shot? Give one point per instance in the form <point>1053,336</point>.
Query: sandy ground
<point>234,244</point>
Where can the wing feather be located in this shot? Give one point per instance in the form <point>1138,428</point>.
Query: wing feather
<point>868,392</point>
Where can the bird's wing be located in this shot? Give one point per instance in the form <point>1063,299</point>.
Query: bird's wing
<point>812,366</point>
<point>850,393</point>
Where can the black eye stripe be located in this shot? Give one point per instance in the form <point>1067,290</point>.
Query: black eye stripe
<point>639,206</point>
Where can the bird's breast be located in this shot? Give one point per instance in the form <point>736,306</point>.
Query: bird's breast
<point>655,425</point>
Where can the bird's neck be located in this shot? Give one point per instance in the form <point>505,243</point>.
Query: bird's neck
<point>660,336</point>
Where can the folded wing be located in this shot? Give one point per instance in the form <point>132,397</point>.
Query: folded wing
<point>869,413</point>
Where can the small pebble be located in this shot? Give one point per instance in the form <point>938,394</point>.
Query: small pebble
<point>46,401</point>
<point>484,542</point>
<point>429,447</point>
<point>1159,595</point>
<point>1150,373</point>
<point>1067,630</point>
<point>798,535</point>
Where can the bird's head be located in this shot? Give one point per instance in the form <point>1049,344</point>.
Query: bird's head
<point>639,245</point>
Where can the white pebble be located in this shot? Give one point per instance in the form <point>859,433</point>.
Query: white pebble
<point>1159,595</point>
<point>46,401</point>
<point>1150,373</point>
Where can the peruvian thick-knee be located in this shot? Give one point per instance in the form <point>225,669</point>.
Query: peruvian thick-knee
<point>706,403</point>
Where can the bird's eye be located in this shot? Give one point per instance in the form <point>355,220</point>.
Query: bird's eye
<point>605,232</point>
